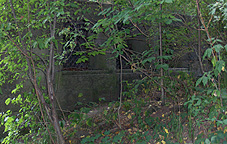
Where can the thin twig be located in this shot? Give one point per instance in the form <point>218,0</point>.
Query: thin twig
<point>160,49</point>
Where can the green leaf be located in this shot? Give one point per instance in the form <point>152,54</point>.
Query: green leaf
<point>213,138</point>
<point>8,100</point>
<point>169,21</point>
<point>168,1</point>
<point>14,90</point>
<point>205,80</point>
<point>218,92</point>
<point>220,64</point>
<point>164,66</point>
<point>166,57</point>
<point>55,43</point>
<point>218,47</point>
<point>89,122</point>
<point>225,122</point>
<point>207,141</point>
<point>118,138</point>
<point>161,2</point>
<point>35,44</point>
<point>80,95</point>
<point>150,59</point>
<point>213,61</point>
<point>225,47</point>
<point>216,72</point>
<point>207,53</point>
<point>48,40</point>
<point>176,19</point>
<point>199,81</point>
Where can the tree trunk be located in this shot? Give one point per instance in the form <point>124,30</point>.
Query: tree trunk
<point>60,138</point>
<point>160,54</point>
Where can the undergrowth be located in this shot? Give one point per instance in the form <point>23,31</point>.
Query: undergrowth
<point>189,117</point>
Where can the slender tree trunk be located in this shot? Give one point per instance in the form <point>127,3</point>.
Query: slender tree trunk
<point>50,80</point>
<point>55,119</point>
<point>199,43</point>
<point>160,53</point>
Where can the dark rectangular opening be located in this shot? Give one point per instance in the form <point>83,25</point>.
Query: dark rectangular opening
<point>76,42</point>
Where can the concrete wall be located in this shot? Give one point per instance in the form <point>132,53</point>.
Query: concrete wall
<point>88,86</point>
<point>85,86</point>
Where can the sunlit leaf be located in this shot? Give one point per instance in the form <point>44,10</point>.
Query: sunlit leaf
<point>166,130</point>
<point>8,100</point>
<point>129,116</point>
<point>163,142</point>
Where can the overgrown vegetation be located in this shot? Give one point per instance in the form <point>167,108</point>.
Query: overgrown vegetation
<point>161,107</point>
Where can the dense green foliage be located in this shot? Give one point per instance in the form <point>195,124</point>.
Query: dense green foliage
<point>23,37</point>
<point>172,27</point>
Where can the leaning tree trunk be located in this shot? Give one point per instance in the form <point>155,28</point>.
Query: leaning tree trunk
<point>22,47</point>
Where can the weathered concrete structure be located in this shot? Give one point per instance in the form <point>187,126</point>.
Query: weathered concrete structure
<point>89,81</point>
<point>99,77</point>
